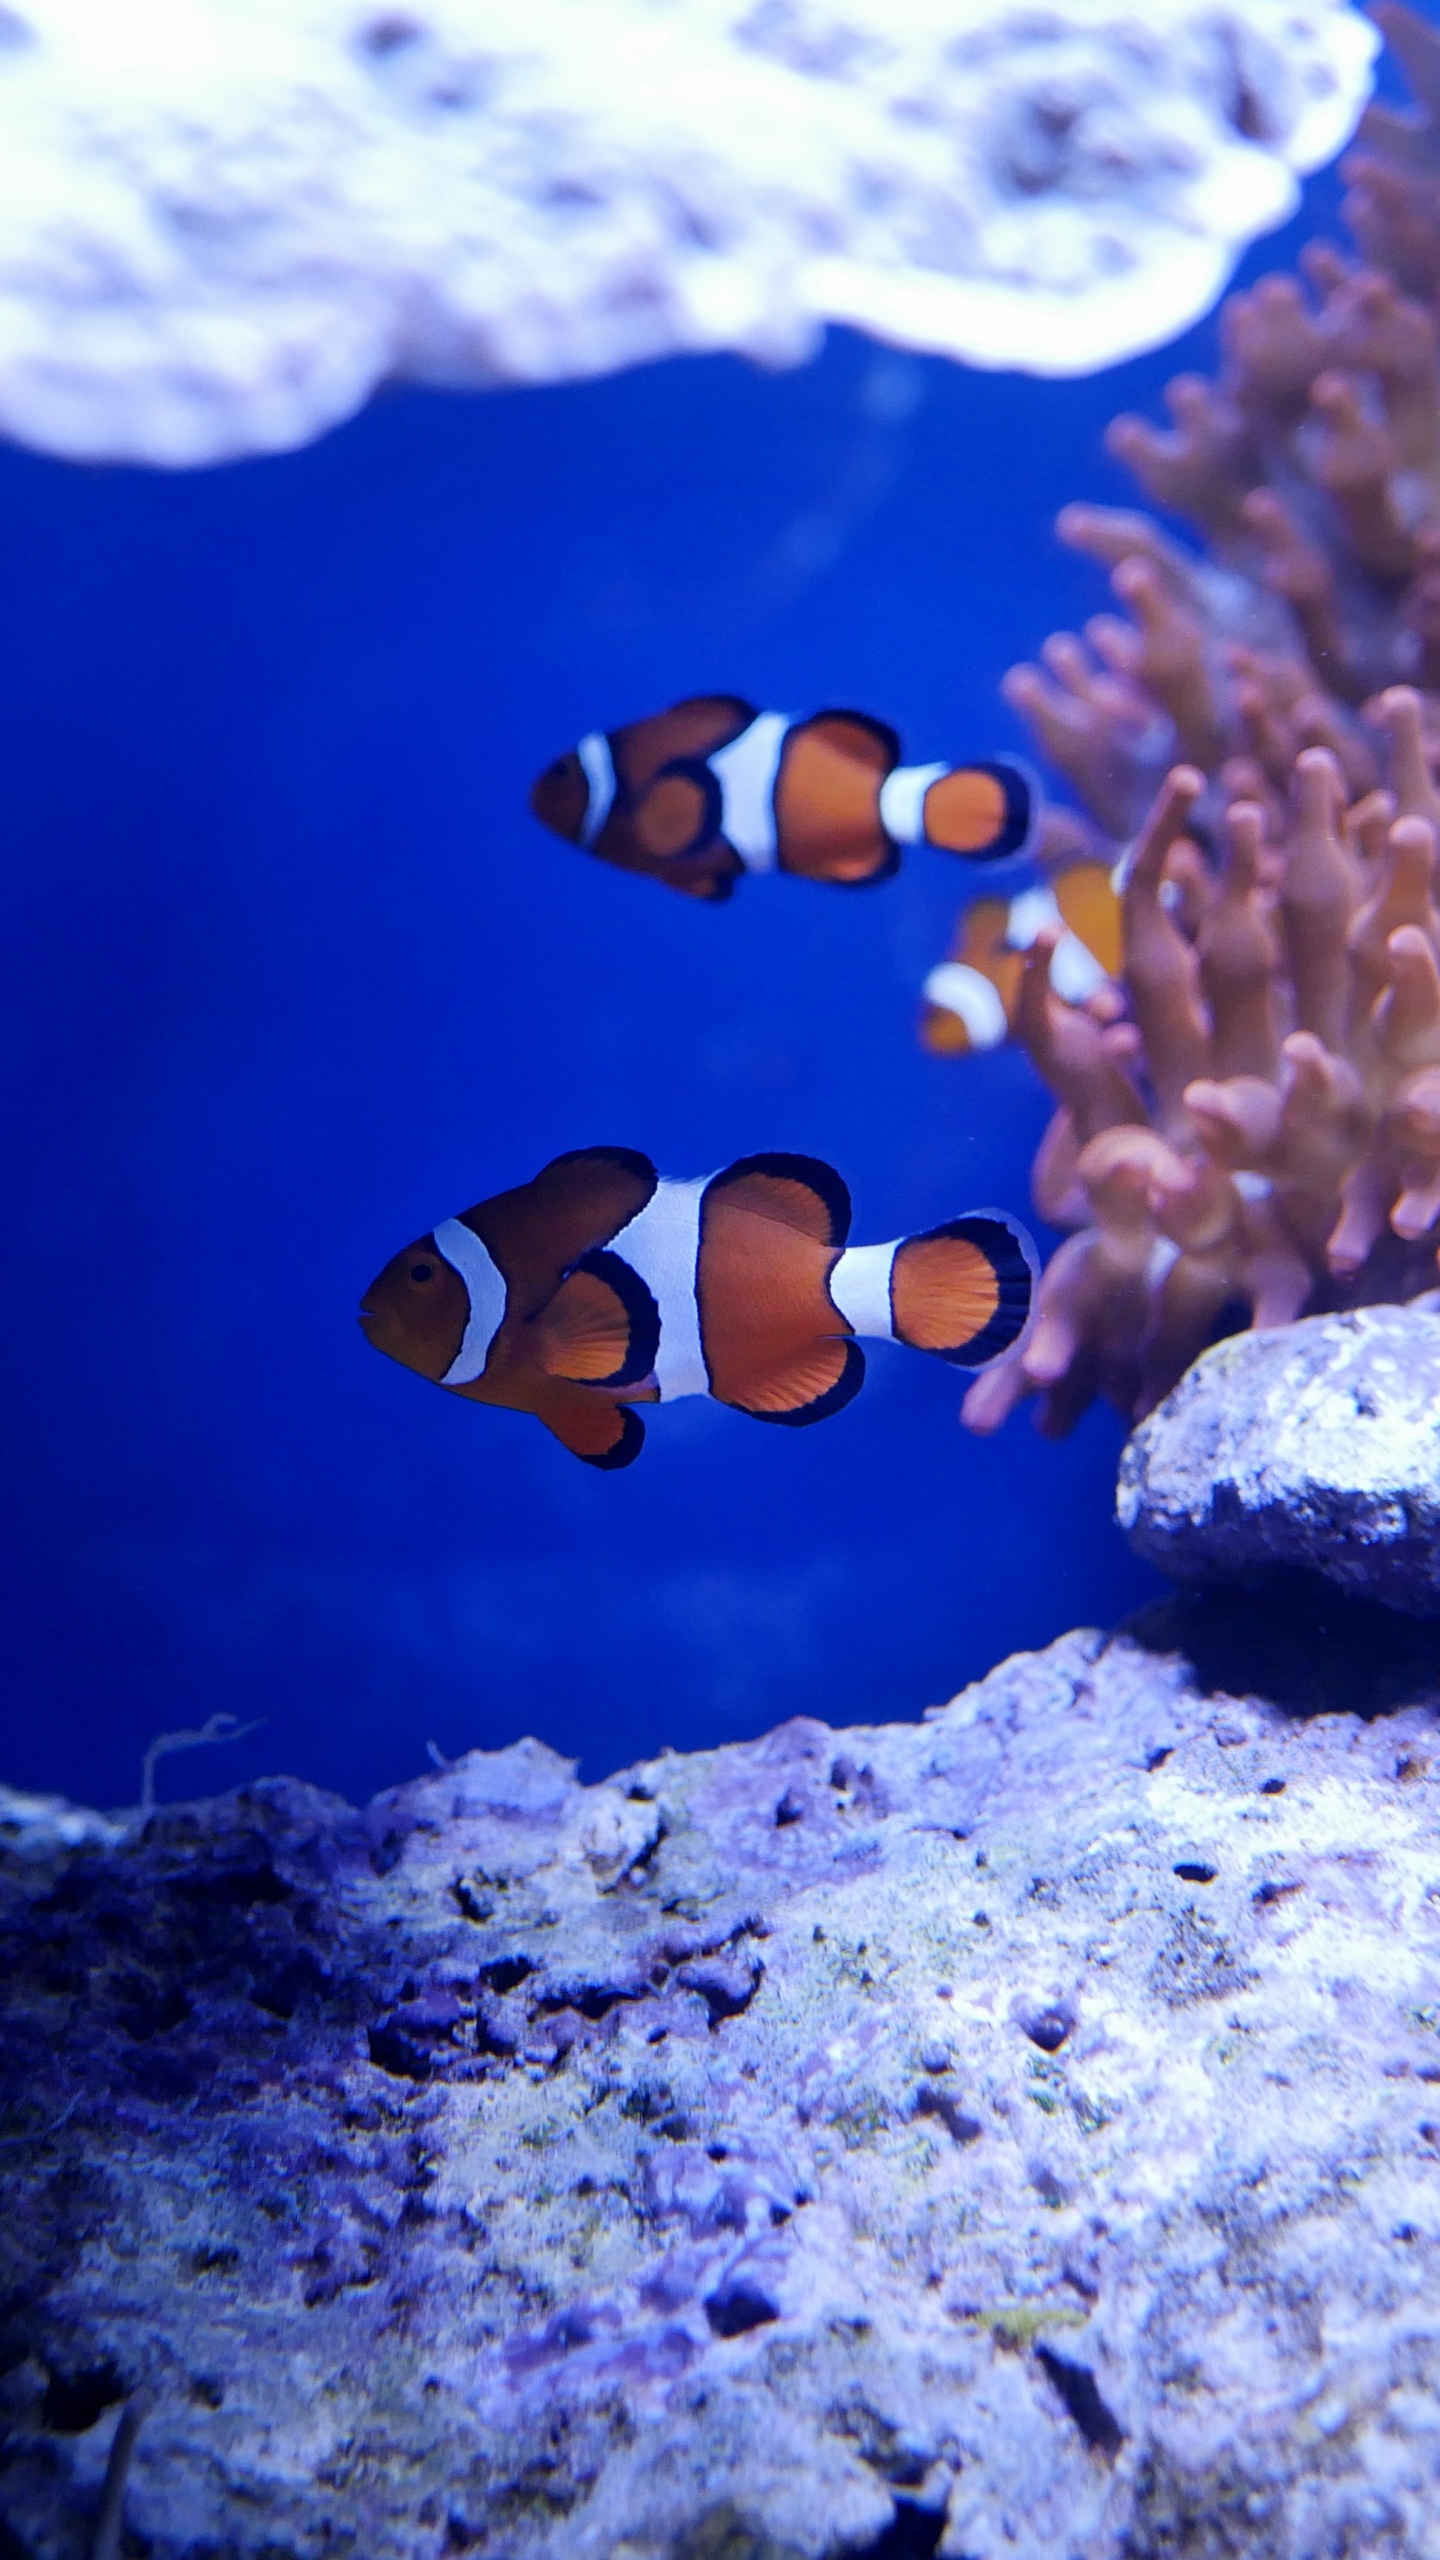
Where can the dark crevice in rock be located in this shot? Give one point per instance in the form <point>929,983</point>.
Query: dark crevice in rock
<point>592,2000</point>
<point>936,2102</point>
<point>74,2401</point>
<point>913,2533</point>
<point>1296,1642</point>
<point>724,1999</point>
<point>1080,2392</point>
<point>506,1974</point>
<point>1048,2028</point>
<point>738,2307</point>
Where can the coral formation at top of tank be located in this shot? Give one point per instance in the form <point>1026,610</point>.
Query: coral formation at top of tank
<point>224,222</point>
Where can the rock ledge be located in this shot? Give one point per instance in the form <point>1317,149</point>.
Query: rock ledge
<point>1017,2133</point>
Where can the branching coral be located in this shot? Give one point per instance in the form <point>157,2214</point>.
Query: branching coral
<point>1248,1110</point>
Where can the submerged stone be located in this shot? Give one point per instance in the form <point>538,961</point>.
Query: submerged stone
<point>1315,1445</point>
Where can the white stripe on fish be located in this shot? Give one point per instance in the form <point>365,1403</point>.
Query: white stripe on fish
<point>662,1247</point>
<point>460,1246</point>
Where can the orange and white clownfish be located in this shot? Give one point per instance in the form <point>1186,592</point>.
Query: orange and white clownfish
<point>713,788</point>
<point>969,1002</point>
<point>600,1286</point>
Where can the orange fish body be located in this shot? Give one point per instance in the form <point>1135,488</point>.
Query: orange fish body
<point>713,788</point>
<point>600,1286</point>
<point>969,1001</point>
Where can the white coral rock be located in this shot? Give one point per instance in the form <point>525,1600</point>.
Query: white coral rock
<point>222,222</point>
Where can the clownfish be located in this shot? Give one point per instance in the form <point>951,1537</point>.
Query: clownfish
<point>600,1286</point>
<point>970,1000</point>
<point>713,788</point>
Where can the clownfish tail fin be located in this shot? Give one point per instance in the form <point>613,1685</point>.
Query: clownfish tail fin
<point>987,812</point>
<point>964,1291</point>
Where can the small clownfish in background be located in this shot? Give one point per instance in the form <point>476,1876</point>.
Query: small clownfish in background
<point>969,1002</point>
<point>600,1286</point>
<point>714,788</point>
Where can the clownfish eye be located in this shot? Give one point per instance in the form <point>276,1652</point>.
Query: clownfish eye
<point>422,1270</point>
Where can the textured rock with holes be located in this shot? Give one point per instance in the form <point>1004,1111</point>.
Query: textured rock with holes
<point>1013,2133</point>
<point>1315,1446</point>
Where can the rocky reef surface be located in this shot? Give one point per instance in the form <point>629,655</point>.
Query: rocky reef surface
<point>1314,1445</point>
<point>1015,2132</point>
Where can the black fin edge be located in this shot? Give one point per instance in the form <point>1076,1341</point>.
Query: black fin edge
<point>885,870</point>
<point>627,1448</point>
<point>818,1177</point>
<point>1012,1257</point>
<point>846,1388</point>
<point>639,1306</point>
<point>630,1157</point>
<point>889,738</point>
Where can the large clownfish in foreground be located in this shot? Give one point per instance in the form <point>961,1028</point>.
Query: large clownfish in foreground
<point>713,788</point>
<point>600,1286</point>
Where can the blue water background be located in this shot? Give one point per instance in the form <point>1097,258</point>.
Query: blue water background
<point>287,972</point>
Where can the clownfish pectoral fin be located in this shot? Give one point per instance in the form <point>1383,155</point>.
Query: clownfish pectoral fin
<point>590,1426</point>
<point>984,811</point>
<point>602,1327</point>
<point>964,1291</point>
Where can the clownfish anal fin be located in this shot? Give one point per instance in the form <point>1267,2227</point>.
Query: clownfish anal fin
<point>602,1327</point>
<point>964,1290</point>
<point>593,1427</point>
<point>819,1383</point>
<point>626,1448</point>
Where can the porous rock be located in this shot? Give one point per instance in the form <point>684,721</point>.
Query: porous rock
<point>1315,1445</point>
<point>1013,2133</point>
<point>222,222</point>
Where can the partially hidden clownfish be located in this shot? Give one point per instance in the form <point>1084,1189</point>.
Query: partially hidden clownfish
<point>600,1286</point>
<point>713,788</point>
<point>969,1002</point>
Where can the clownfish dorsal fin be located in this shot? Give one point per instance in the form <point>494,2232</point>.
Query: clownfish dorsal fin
<point>601,1327</point>
<point>800,1191</point>
<point>964,1291</point>
<point>827,799</point>
<point>774,1344</point>
<point>541,1230</point>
